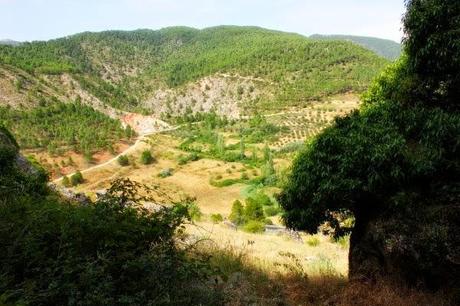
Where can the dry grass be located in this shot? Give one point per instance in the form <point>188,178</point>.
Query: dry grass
<point>268,250</point>
<point>247,276</point>
<point>191,179</point>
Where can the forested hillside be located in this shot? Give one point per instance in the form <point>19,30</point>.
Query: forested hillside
<point>383,47</point>
<point>123,69</point>
<point>73,126</point>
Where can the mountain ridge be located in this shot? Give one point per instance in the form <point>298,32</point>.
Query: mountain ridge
<point>384,47</point>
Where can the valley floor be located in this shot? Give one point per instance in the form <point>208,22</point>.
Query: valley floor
<point>266,268</point>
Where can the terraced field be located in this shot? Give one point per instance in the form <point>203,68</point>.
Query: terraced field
<point>303,123</point>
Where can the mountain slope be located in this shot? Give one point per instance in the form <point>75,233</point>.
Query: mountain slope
<point>232,70</point>
<point>122,69</point>
<point>384,47</point>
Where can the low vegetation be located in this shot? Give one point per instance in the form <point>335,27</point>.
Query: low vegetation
<point>123,160</point>
<point>146,157</point>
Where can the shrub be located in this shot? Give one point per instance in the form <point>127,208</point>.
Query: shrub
<point>123,160</point>
<point>66,181</point>
<point>113,252</point>
<point>194,210</point>
<point>76,178</point>
<point>343,241</point>
<point>262,198</point>
<point>254,226</point>
<point>217,218</point>
<point>185,159</point>
<point>147,158</point>
<point>313,241</point>
<point>165,173</point>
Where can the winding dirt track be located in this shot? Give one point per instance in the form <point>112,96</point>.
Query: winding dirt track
<point>127,151</point>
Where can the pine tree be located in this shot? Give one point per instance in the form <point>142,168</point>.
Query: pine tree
<point>237,214</point>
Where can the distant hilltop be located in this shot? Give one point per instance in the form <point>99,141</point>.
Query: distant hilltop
<point>10,42</point>
<point>383,47</point>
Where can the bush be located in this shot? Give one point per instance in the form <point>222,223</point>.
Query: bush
<point>165,173</point>
<point>262,198</point>
<point>146,158</point>
<point>66,181</point>
<point>313,241</point>
<point>123,160</point>
<point>343,241</point>
<point>76,179</point>
<point>216,218</point>
<point>194,210</point>
<point>185,159</point>
<point>254,226</point>
<point>113,252</point>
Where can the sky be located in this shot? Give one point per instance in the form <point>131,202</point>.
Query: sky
<point>27,20</point>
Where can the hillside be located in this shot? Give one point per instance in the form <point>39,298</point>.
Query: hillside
<point>166,74</point>
<point>151,70</point>
<point>383,47</point>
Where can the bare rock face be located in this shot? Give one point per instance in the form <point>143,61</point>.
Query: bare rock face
<point>419,246</point>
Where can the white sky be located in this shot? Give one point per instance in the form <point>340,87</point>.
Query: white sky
<point>46,19</point>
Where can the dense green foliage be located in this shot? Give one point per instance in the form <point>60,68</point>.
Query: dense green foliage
<point>432,44</point>
<point>392,155</point>
<point>63,125</point>
<point>397,155</point>
<point>139,61</point>
<point>252,216</point>
<point>383,47</point>
<point>112,252</point>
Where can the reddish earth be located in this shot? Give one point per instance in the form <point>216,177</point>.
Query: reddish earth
<point>71,161</point>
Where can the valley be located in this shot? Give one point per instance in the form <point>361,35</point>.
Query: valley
<point>231,165</point>
<point>222,111</point>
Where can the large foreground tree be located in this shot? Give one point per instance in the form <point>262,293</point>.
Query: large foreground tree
<point>394,165</point>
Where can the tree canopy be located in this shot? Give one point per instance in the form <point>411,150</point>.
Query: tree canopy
<point>389,155</point>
